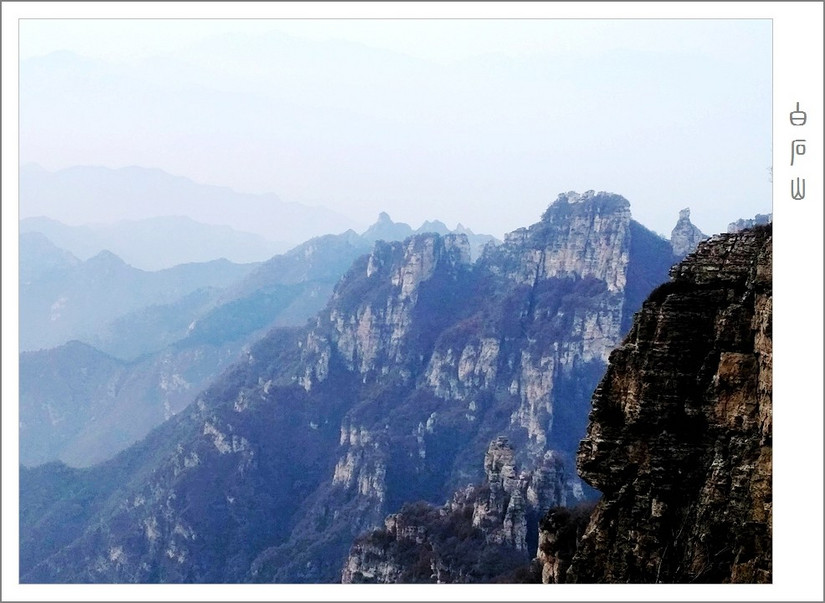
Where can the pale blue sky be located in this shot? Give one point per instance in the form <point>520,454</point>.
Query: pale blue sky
<point>478,121</point>
<point>437,39</point>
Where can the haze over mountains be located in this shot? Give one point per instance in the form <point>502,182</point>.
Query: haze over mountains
<point>134,193</point>
<point>62,297</point>
<point>256,451</point>
<point>156,243</point>
<point>231,372</point>
<point>131,218</point>
<point>362,128</point>
<point>391,393</point>
<point>155,338</point>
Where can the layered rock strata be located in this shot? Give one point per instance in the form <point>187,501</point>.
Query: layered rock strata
<point>679,440</point>
<point>391,394</point>
<point>560,532</point>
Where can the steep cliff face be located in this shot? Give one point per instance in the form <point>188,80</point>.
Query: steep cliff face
<point>679,440</point>
<point>511,497</point>
<point>371,334</point>
<point>563,296</point>
<point>582,235</point>
<point>391,394</point>
<point>169,351</point>
<point>479,535</point>
<point>560,532</point>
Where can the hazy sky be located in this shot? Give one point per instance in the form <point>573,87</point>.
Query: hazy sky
<point>482,122</point>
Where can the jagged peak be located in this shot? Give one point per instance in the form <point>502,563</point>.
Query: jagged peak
<point>384,228</point>
<point>421,251</point>
<point>684,217</point>
<point>685,236</point>
<point>591,196</point>
<point>436,226</point>
<point>383,220</point>
<point>588,201</point>
<point>743,223</point>
<point>419,241</point>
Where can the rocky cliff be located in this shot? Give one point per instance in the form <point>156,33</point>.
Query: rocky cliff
<point>743,223</point>
<point>81,406</point>
<point>679,438</point>
<point>391,394</point>
<point>685,236</point>
<point>173,332</point>
<point>479,535</point>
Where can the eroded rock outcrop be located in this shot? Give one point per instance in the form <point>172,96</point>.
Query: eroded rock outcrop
<point>479,535</point>
<point>679,440</point>
<point>511,496</point>
<point>391,394</point>
<point>744,223</point>
<point>685,236</point>
<point>370,330</point>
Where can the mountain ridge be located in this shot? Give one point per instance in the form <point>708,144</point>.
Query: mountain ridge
<point>170,349</point>
<point>138,193</point>
<point>156,243</point>
<point>419,349</point>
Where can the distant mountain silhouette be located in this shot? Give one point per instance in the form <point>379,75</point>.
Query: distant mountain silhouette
<point>73,194</point>
<point>156,243</point>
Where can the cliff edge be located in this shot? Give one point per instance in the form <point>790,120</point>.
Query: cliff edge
<point>679,435</point>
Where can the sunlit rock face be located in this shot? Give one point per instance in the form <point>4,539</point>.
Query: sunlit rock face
<point>478,535</point>
<point>680,434</point>
<point>391,394</point>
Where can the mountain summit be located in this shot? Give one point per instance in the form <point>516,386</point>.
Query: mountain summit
<point>391,394</point>
<point>685,236</point>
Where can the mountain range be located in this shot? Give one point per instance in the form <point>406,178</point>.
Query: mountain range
<point>64,298</point>
<point>136,194</point>
<point>156,243</point>
<point>392,393</point>
<point>679,444</point>
<point>164,335</point>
